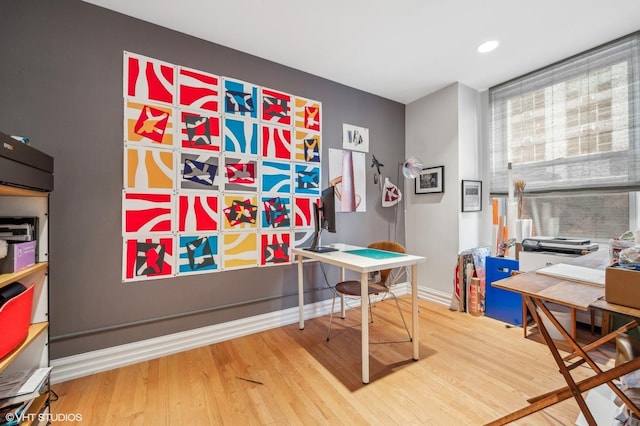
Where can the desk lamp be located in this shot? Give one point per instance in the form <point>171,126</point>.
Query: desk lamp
<point>412,167</point>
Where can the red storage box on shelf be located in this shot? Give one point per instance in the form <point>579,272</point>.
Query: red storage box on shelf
<point>15,318</point>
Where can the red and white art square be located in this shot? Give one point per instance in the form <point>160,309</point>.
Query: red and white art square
<point>149,79</point>
<point>276,142</point>
<point>277,107</point>
<point>149,124</point>
<point>307,114</point>
<point>200,130</point>
<point>197,213</point>
<point>303,212</point>
<point>148,257</point>
<point>241,174</point>
<point>198,89</point>
<point>147,213</point>
<point>275,248</point>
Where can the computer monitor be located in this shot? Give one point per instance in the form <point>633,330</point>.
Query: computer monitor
<point>328,209</point>
<point>324,217</point>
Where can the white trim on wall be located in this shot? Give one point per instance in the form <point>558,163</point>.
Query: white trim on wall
<point>76,366</point>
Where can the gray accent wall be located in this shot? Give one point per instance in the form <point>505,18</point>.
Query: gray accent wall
<point>61,86</point>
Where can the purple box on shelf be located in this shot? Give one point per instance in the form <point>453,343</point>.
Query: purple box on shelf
<point>19,256</point>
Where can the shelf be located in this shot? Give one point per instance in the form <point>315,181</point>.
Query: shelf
<point>6,279</point>
<point>34,331</point>
<point>21,192</point>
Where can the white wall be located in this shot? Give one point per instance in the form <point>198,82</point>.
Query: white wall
<point>431,221</point>
<point>445,129</point>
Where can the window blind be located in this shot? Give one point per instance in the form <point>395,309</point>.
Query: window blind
<point>574,125</point>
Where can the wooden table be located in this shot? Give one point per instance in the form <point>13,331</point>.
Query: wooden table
<point>536,288</point>
<point>363,265</point>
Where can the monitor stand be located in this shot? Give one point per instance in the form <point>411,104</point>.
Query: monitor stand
<point>315,244</point>
<point>321,249</point>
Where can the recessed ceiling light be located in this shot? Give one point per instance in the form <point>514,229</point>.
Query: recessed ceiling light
<point>488,46</point>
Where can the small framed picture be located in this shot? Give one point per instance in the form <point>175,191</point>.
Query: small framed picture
<point>431,180</point>
<point>471,195</point>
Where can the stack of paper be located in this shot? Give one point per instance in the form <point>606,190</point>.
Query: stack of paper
<point>580,274</point>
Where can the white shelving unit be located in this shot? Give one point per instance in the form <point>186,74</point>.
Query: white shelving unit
<point>34,351</point>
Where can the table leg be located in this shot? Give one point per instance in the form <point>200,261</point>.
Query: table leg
<point>342,308</point>
<point>533,303</point>
<point>300,294</point>
<point>364,318</point>
<point>573,389</point>
<point>415,333</point>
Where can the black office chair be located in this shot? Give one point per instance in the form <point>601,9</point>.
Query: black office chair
<point>388,277</point>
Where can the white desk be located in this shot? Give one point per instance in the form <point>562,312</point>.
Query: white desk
<point>363,265</point>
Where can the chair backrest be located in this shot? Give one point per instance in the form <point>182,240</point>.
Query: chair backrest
<point>388,246</point>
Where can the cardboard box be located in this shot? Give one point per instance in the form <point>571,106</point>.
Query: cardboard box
<point>19,256</point>
<point>622,286</point>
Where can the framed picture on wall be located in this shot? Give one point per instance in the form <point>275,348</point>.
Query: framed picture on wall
<point>471,195</point>
<point>431,180</point>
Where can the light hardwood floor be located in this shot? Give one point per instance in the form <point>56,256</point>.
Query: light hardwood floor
<point>471,370</point>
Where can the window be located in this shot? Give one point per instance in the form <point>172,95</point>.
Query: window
<point>571,132</point>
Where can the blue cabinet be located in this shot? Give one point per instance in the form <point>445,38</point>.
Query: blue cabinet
<point>502,304</point>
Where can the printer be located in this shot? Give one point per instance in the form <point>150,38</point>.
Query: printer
<point>559,245</point>
<point>23,166</point>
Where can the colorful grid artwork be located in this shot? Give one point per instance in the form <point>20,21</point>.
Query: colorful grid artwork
<point>199,171</point>
<point>198,254</point>
<point>219,173</point>
<point>275,177</point>
<point>277,107</point>
<point>241,174</point>
<point>240,211</point>
<point>148,168</point>
<point>307,114</point>
<point>198,212</point>
<point>275,212</point>
<point>306,179</point>
<point>199,90</point>
<point>148,257</point>
<point>241,99</point>
<point>274,248</point>
<point>149,124</point>
<point>149,79</point>
<point>200,130</point>
<point>241,136</point>
<point>306,146</point>
<point>276,142</point>
<point>303,212</point>
<point>302,238</point>
<point>240,250</point>
<point>147,213</point>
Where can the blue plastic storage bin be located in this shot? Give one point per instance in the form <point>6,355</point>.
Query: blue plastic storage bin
<point>502,304</point>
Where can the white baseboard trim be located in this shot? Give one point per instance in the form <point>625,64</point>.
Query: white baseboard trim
<point>76,366</point>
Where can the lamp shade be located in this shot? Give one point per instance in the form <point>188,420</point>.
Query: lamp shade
<point>412,167</point>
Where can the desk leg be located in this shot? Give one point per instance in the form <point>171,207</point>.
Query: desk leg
<point>300,294</point>
<point>415,333</point>
<point>342,308</point>
<point>364,318</point>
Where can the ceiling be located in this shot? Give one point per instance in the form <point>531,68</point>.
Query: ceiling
<point>398,49</point>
